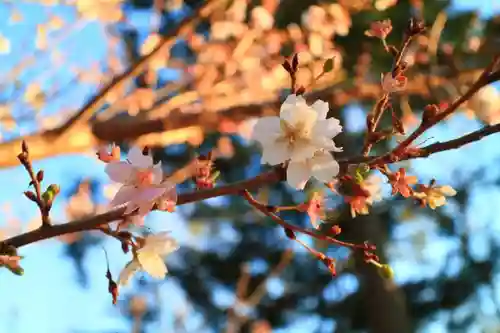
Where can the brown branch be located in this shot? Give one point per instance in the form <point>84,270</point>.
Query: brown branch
<point>75,135</point>
<point>275,175</point>
<point>123,128</point>
<point>91,223</point>
<point>119,81</point>
<point>455,143</point>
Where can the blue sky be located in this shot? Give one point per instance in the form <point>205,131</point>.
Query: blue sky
<point>48,295</point>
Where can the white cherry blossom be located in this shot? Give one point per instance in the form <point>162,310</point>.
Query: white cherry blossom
<point>321,166</point>
<point>149,258</point>
<point>298,133</point>
<point>142,182</point>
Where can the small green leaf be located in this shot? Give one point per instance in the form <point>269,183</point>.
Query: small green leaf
<point>16,270</point>
<point>328,65</point>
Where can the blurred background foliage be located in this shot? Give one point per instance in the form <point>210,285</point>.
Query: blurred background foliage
<point>240,273</point>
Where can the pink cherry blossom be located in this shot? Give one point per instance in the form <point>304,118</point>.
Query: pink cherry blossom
<point>142,183</point>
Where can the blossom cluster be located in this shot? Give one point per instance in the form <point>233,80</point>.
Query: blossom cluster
<point>298,144</point>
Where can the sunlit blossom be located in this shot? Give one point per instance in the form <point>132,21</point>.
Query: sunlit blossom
<point>142,182</point>
<point>298,133</point>
<point>149,257</point>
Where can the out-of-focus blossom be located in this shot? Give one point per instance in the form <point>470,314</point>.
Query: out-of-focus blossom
<point>149,257</point>
<point>379,29</point>
<point>382,5</point>
<point>434,196</point>
<point>392,84</point>
<point>314,18</point>
<point>486,105</point>
<point>262,19</point>
<point>315,208</point>
<point>341,19</point>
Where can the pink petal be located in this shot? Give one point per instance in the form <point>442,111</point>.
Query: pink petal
<point>139,160</point>
<point>120,172</point>
<point>124,195</point>
<point>157,174</point>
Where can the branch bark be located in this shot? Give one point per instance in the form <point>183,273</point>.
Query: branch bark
<point>85,136</point>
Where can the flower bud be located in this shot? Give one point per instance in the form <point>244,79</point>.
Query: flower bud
<point>39,176</point>
<point>289,233</point>
<point>30,195</point>
<point>386,272</point>
<point>415,27</point>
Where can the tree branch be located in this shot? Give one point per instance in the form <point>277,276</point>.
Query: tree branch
<point>273,176</point>
<point>76,135</point>
<point>123,127</point>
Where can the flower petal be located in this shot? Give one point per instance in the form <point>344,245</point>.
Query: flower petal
<point>275,153</point>
<point>161,243</point>
<point>128,271</point>
<point>152,264</point>
<point>157,174</point>
<point>266,129</point>
<point>448,190</point>
<point>324,167</point>
<point>328,128</point>
<point>322,108</point>
<point>137,159</point>
<point>302,151</point>
<point>124,195</point>
<point>292,102</point>
<point>301,117</point>
<point>149,194</point>
<point>119,172</point>
<point>297,174</point>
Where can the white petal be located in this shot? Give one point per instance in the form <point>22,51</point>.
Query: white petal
<point>153,264</point>
<point>300,117</point>
<point>292,101</point>
<point>328,128</point>
<point>139,160</point>
<point>161,243</point>
<point>120,172</point>
<point>321,107</point>
<point>448,190</point>
<point>157,174</point>
<point>324,167</point>
<point>128,271</point>
<point>124,195</point>
<point>297,174</point>
<point>302,151</point>
<point>267,129</point>
<point>275,153</point>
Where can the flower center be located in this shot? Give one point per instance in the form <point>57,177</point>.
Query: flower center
<point>144,177</point>
<point>293,134</point>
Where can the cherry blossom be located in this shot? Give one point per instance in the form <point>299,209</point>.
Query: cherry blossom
<point>434,196</point>
<point>314,208</point>
<point>298,133</point>
<point>149,257</point>
<point>142,182</point>
<point>105,155</point>
<point>379,29</point>
<point>400,183</point>
<point>321,166</point>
